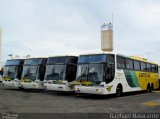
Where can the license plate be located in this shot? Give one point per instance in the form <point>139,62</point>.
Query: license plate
<point>60,87</point>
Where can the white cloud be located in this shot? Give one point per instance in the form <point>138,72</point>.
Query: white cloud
<point>47,28</point>
<point>53,30</point>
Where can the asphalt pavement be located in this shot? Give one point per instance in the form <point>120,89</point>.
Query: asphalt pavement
<point>35,101</point>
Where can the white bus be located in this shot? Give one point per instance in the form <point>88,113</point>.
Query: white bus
<point>33,73</point>
<point>60,73</point>
<point>12,73</point>
<point>109,73</point>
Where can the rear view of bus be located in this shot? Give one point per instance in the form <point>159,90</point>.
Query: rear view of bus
<point>12,73</point>
<point>94,72</point>
<point>60,73</point>
<point>33,73</point>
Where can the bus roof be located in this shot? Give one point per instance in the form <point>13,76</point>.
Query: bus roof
<point>64,56</point>
<point>132,57</point>
<point>16,59</point>
<point>142,59</point>
<point>36,58</point>
<point>14,62</point>
<point>35,61</point>
<point>97,53</point>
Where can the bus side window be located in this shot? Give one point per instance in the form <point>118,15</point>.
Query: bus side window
<point>148,67</point>
<point>143,66</point>
<point>120,62</point>
<point>157,68</point>
<point>136,65</point>
<point>153,68</point>
<point>129,64</point>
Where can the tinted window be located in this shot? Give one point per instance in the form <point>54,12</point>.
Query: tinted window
<point>156,68</point>
<point>92,58</point>
<point>73,60</point>
<point>53,60</point>
<point>120,62</point>
<point>44,61</point>
<point>148,67</point>
<point>12,62</point>
<point>41,72</point>
<point>153,68</point>
<point>19,72</point>
<point>136,65</point>
<point>129,64</point>
<point>71,72</point>
<point>108,73</point>
<point>143,66</point>
<point>110,59</point>
<point>32,61</point>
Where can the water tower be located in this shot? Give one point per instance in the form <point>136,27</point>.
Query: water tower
<point>107,37</point>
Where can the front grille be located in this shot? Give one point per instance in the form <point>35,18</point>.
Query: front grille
<point>87,84</point>
<point>49,82</point>
<point>54,82</point>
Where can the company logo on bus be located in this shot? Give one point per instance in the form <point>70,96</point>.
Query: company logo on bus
<point>144,74</point>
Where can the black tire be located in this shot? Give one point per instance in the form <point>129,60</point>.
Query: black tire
<point>78,95</point>
<point>152,86</point>
<point>149,88</point>
<point>21,88</point>
<point>159,83</point>
<point>119,91</point>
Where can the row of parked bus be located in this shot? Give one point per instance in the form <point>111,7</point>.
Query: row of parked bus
<point>101,73</point>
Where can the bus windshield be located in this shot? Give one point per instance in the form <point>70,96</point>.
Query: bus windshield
<point>30,72</point>
<point>10,72</point>
<point>55,72</point>
<point>91,72</point>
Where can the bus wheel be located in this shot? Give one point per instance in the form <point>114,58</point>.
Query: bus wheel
<point>21,88</point>
<point>149,89</point>
<point>78,95</point>
<point>152,86</point>
<point>119,91</point>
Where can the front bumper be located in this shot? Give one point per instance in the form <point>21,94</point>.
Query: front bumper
<point>92,90</point>
<point>58,87</point>
<point>32,85</point>
<point>12,84</point>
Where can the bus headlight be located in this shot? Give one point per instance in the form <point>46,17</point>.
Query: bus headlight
<point>98,90</point>
<point>64,83</point>
<point>101,85</point>
<point>77,89</point>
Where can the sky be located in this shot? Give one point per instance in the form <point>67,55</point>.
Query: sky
<point>72,27</point>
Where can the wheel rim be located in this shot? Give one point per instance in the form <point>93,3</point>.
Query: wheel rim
<point>149,88</point>
<point>119,92</point>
